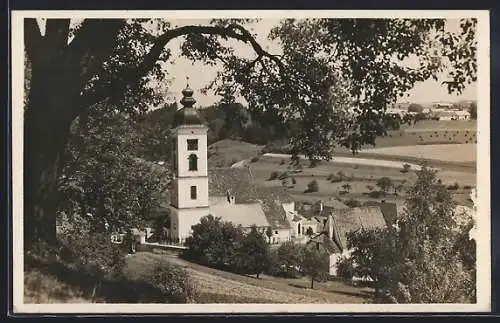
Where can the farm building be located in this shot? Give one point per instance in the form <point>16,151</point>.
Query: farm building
<point>341,222</point>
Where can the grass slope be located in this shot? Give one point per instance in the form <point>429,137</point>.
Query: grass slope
<point>218,286</point>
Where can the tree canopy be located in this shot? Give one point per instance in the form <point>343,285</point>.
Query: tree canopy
<point>333,80</point>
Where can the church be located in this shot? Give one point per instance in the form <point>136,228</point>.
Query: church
<point>228,193</point>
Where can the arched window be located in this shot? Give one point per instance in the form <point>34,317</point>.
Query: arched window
<point>193,162</point>
<point>298,228</point>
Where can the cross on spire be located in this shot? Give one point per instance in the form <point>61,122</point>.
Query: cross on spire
<point>187,81</point>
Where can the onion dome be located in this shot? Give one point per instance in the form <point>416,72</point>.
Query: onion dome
<point>187,115</point>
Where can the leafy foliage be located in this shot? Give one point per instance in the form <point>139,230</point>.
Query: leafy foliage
<point>221,244</point>
<point>384,183</point>
<point>315,263</point>
<point>253,255</point>
<point>173,282</point>
<point>104,179</point>
<point>287,259</point>
<point>312,186</point>
<point>427,259</point>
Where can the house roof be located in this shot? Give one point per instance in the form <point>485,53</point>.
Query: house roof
<point>246,214</point>
<point>334,203</point>
<point>349,220</point>
<point>329,245</point>
<point>389,211</point>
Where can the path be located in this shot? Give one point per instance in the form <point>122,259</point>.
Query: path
<point>357,161</point>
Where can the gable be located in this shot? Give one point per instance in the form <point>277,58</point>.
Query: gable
<point>349,220</point>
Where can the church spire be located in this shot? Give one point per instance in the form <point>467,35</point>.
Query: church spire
<point>187,96</point>
<point>187,115</point>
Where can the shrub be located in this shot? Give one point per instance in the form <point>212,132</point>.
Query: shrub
<point>406,168</point>
<point>375,194</point>
<point>173,282</point>
<point>283,175</point>
<point>336,179</point>
<point>312,186</point>
<point>352,203</point>
<point>467,187</point>
<point>345,269</point>
<point>273,176</point>
<point>329,178</point>
<point>453,187</point>
<point>294,181</point>
<point>93,255</point>
<point>282,162</point>
<point>255,159</point>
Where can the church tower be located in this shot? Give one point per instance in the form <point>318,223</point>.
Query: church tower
<point>189,198</point>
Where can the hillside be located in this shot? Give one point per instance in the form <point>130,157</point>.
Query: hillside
<point>227,152</point>
<point>216,286</point>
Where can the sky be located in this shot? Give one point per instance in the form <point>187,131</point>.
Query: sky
<point>200,75</point>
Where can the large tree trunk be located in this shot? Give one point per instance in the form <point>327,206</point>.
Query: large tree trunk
<point>47,121</point>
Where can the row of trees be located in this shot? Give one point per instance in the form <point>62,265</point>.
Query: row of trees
<point>222,245</point>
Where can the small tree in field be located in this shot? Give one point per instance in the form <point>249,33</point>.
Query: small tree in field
<point>384,183</point>
<point>347,187</point>
<point>214,242</point>
<point>253,254</point>
<point>312,187</point>
<point>315,263</point>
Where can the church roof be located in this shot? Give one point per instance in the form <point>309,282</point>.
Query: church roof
<point>246,214</point>
<point>237,180</point>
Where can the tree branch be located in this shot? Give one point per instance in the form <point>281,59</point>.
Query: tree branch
<point>132,76</point>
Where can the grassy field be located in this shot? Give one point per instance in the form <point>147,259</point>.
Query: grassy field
<point>359,177</point>
<point>217,286</point>
<point>447,153</point>
<point>431,132</point>
<point>227,152</point>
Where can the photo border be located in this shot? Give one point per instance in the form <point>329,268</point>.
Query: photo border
<point>483,169</point>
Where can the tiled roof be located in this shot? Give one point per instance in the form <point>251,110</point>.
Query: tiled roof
<point>276,193</point>
<point>349,220</point>
<point>334,203</point>
<point>389,211</point>
<point>237,180</point>
<point>246,214</point>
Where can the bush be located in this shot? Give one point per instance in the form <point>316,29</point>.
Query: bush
<point>406,168</point>
<point>255,159</point>
<point>375,194</point>
<point>312,186</point>
<point>453,187</point>
<point>352,203</point>
<point>273,176</point>
<point>283,175</point>
<point>294,181</point>
<point>345,269</point>
<point>282,162</point>
<point>173,282</point>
